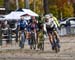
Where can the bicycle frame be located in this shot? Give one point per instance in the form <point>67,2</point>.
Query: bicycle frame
<point>22,39</point>
<point>40,40</point>
<point>55,42</point>
<point>33,40</point>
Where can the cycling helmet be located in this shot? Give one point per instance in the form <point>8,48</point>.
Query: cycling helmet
<point>51,15</point>
<point>47,16</point>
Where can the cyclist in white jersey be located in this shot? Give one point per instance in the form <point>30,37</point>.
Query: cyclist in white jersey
<point>50,26</point>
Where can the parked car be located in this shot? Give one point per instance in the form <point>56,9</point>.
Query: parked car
<point>68,21</point>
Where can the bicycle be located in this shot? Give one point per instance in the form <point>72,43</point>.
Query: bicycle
<point>22,39</point>
<point>56,48</point>
<point>40,40</point>
<point>33,40</point>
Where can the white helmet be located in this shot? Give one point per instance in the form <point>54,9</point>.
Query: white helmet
<point>47,16</point>
<point>51,15</point>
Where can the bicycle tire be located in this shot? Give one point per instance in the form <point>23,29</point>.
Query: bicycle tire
<point>33,41</point>
<point>56,47</point>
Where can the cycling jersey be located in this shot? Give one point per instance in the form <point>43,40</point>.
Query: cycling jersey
<point>56,21</point>
<point>50,25</point>
<point>33,26</point>
<point>22,24</point>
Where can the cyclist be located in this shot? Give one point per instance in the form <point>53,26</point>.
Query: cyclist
<point>56,21</point>
<point>22,25</point>
<point>40,44</point>
<point>50,27</point>
<point>33,28</point>
<point>57,27</point>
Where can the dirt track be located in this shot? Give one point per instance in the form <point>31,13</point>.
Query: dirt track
<point>67,51</point>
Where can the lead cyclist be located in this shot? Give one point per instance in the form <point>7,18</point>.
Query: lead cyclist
<point>50,26</point>
<point>57,25</point>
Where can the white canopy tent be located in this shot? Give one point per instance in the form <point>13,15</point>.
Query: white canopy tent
<point>17,14</point>
<point>30,12</point>
<point>14,15</point>
<point>1,19</point>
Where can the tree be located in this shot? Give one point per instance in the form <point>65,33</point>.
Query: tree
<point>73,2</point>
<point>68,10</point>
<point>27,4</point>
<point>12,4</point>
<point>6,4</point>
<point>45,6</point>
<point>60,5</point>
<point>1,3</point>
<point>54,10</point>
<point>21,4</point>
<point>38,8</point>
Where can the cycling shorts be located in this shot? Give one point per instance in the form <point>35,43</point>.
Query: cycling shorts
<point>50,30</point>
